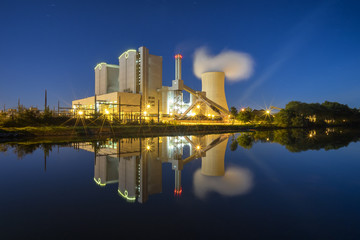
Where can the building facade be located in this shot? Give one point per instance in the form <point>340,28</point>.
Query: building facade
<point>138,74</point>
<point>134,88</point>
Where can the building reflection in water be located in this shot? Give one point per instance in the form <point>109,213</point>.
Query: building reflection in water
<point>136,163</point>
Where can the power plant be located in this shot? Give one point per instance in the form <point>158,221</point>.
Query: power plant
<point>133,90</point>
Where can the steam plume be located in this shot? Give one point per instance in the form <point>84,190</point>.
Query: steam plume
<point>236,65</point>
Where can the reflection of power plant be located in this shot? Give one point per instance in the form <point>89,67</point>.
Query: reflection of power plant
<point>136,164</point>
<point>133,89</point>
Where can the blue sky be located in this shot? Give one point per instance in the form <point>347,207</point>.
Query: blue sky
<point>303,50</point>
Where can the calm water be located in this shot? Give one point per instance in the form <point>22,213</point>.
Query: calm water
<point>256,185</point>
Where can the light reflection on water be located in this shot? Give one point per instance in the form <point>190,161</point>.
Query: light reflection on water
<point>136,165</point>
<point>256,182</point>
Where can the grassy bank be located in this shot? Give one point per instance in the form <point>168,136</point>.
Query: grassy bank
<point>144,130</point>
<point>120,131</point>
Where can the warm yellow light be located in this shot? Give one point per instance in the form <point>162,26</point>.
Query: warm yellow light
<point>127,53</point>
<point>198,106</point>
<point>198,147</point>
<point>243,109</point>
<point>126,196</point>
<point>213,116</point>
<point>145,113</point>
<point>98,182</point>
<point>267,111</point>
<point>148,147</point>
<point>107,111</point>
<point>148,106</point>
<point>170,114</point>
<point>80,112</point>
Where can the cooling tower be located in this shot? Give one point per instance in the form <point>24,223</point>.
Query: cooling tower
<point>213,85</point>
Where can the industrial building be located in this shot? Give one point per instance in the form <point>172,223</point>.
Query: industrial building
<point>133,90</point>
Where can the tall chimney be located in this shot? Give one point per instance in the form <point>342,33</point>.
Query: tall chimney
<point>178,58</point>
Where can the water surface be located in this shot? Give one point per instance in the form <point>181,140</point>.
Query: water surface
<point>253,185</point>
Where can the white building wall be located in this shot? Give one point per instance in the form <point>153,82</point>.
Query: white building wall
<point>112,78</point>
<point>144,53</point>
<point>100,79</point>
<point>150,79</point>
<point>122,74</point>
<point>154,82</point>
<point>131,71</point>
<point>127,71</point>
<point>138,72</point>
<point>165,100</point>
<point>106,78</point>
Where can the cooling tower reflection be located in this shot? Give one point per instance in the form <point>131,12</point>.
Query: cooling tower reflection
<point>135,164</point>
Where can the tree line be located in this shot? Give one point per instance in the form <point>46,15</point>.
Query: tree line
<point>300,114</point>
<point>298,140</point>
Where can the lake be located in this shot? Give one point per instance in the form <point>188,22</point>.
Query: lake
<point>284,184</point>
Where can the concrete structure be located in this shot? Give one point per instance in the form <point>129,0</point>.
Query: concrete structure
<point>134,87</point>
<point>141,72</point>
<point>199,102</point>
<point>106,78</point>
<point>138,73</point>
<point>213,85</point>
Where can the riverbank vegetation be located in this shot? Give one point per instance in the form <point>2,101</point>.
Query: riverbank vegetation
<point>298,139</point>
<point>294,140</point>
<point>27,122</point>
<point>299,114</point>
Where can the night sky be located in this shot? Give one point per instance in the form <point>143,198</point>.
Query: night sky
<point>302,50</point>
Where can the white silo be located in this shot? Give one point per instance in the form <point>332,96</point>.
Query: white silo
<point>213,85</point>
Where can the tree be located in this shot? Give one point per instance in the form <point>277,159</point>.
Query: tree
<point>245,115</point>
<point>233,112</point>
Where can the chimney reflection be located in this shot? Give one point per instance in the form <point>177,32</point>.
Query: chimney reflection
<point>136,164</point>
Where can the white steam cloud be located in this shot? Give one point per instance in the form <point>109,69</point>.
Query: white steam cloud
<point>236,65</point>
<point>236,181</point>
